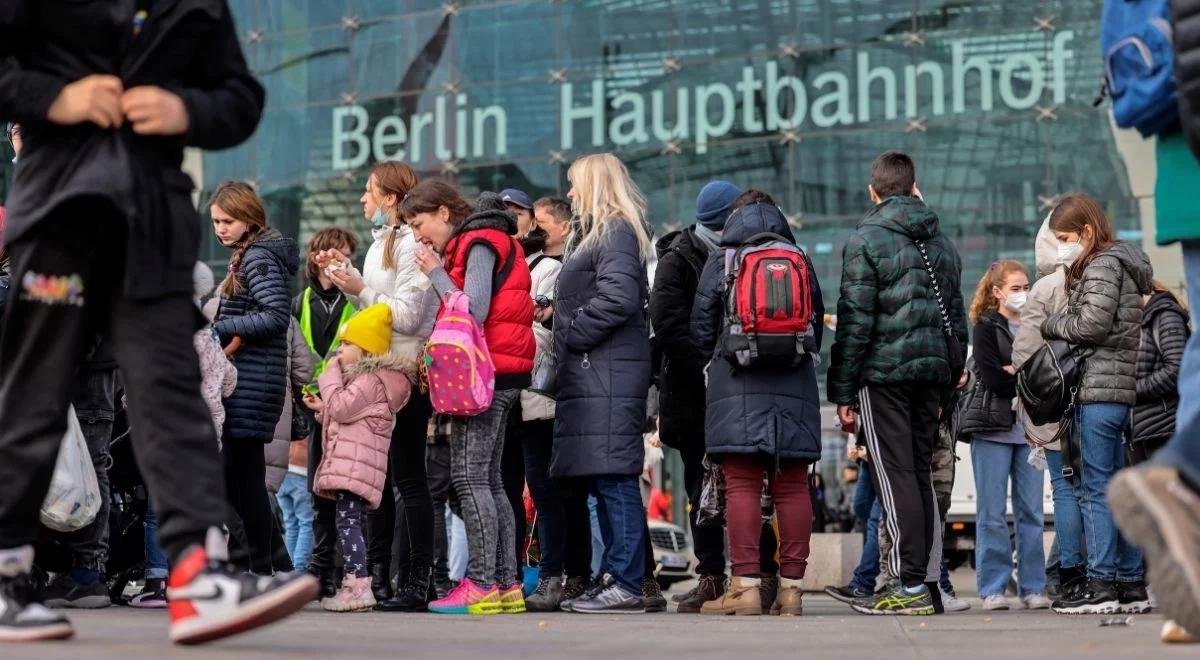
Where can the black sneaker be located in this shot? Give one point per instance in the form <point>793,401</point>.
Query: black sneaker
<point>897,600</point>
<point>652,595</point>
<point>848,594</point>
<point>153,595</point>
<point>609,598</point>
<point>597,585</point>
<point>63,591</point>
<point>1133,597</point>
<point>1097,597</point>
<point>23,617</point>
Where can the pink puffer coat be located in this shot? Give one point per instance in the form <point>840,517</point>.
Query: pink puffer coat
<point>359,408</point>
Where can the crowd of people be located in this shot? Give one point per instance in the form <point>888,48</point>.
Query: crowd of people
<point>338,436</point>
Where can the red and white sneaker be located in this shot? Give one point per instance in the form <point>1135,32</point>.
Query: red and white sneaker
<point>210,600</point>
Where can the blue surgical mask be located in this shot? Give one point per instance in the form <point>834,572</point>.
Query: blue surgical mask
<point>379,219</point>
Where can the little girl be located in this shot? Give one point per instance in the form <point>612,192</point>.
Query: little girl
<point>361,390</point>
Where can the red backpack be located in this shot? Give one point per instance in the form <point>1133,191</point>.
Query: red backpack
<point>768,304</point>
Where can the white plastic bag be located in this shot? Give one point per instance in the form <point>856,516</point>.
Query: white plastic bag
<point>74,496</point>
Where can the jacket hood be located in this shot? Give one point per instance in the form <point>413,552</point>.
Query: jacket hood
<point>1045,250</point>
<point>490,213</point>
<point>686,242</point>
<point>283,248</point>
<point>904,215</point>
<point>392,370</point>
<point>747,221</point>
<point>663,244</point>
<point>1136,263</point>
<point>1161,302</point>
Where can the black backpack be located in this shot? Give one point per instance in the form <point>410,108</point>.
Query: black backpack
<point>1048,381</point>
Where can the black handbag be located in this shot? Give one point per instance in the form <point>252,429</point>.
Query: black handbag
<point>955,355</point>
<point>1048,381</point>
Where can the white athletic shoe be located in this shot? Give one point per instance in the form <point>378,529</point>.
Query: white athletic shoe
<point>1035,601</point>
<point>996,602</point>
<point>954,603</point>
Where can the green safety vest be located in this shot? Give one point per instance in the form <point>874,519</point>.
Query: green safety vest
<point>306,327</point>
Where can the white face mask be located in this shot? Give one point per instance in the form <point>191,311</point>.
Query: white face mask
<point>1068,252</point>
<point>1016,302</point>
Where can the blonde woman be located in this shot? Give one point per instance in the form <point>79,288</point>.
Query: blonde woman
<point>601,338</point>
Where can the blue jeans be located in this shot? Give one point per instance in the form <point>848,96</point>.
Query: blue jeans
<point>623,527</point>
<point>995,463</point>
<point>1183,451</point>
<point>597,537</point>
<point>156,558</point>
<point>295,503</point>
<point>866,508</point>
<point>1101,429</point>
<point>1068,520</point>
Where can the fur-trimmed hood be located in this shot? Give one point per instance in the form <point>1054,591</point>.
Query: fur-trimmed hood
<point>387,367</point>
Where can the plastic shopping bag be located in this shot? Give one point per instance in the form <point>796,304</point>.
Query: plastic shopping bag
<point>74,496</point>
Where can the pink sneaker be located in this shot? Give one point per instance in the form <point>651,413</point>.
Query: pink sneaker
<point>468,598</point>
<point>512,599</point>
<point>354,596</point>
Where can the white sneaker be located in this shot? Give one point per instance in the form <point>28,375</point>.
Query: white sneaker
<point>954,603</point>
<point>996,602</point>
<point>1173,633</point>
<point>1036,601</point>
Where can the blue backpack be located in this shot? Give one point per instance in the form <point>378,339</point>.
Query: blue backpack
<point>1135,40</point>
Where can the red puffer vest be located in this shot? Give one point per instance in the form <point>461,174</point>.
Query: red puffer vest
<point>509,325</point>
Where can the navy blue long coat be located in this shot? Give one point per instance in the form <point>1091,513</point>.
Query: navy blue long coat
<point>755,411</point>
<point>602,342</point>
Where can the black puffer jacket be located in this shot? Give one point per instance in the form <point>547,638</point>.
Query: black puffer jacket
<point>681,257</point>
<point>602,340</point>
<point>1164,335</point>
<point>774,412</point>
<point>1104,314</point>
<point>990,408</point>
<point>260,315</point>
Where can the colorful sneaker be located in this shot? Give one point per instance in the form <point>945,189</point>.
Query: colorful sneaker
<point>512,599</point>
<point>152,597</point>
<point>897,600</point>
<point>355,595</point>
<point>469,598</point>
<point>210,599</point>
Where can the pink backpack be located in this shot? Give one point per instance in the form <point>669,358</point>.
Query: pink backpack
<point>462,378</point>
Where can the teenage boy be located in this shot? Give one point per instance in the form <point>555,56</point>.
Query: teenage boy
<point>892,367</point>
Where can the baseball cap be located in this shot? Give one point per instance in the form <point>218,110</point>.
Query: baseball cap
<point>514,196</point>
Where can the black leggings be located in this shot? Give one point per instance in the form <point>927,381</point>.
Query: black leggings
<point>407,486</point>
<point>246,491</point>
<point>512,477</point>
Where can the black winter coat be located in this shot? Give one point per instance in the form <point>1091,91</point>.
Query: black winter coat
<point>602,341</point>
<point>681,257</point>
<point>189,47</point>
<point>260,314</point>
<point>756,410</point>
<point>991,409</point>
<point>1164,335</point>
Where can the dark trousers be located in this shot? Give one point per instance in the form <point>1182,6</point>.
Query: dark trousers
<point>414,522</point>
<point>623,528</point>
<point>708,542</point>
<point>324,532</point>
<point>381,530</point>
<point>563,523</point>
<point>512,477</point>
<point>437,463</point>
<point>95,401</point>
<point>74,291</point>
<point>246,491</point>
<point>900,424</point>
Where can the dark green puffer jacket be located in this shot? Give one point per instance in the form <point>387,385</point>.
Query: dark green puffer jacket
<point>889,329</point>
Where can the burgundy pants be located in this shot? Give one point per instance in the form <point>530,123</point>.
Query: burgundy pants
<point>743,491</point>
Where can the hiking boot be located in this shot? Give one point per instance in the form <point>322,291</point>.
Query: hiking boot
<point>789,599</point>
<point>547,596</point>
<point>23,617</point>
<point>413,595</point>
<point>1154,506</point>
<point>652,595</point>
<point>710,587</point>
<point>442,587</point>
<point>1098,597</point>
<point>848,594</point>
<point>897,600</point>
<point>381,583</point>
<point>1133,597</point>
<point>356,595</point>
<point>512,599</point>
<point>742,598</point>
<point>469,598</point>
<point>579,589</point>
<point>687,595</point>
<point>210,599</point>
<point>64,591</point>
<point>152,597</point>
<point>609,598</point>
<point>768,590</point>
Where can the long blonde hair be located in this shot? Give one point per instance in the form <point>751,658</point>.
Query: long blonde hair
<point>605,195</point>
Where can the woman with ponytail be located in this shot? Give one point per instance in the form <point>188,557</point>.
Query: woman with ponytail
<point>252,323</point>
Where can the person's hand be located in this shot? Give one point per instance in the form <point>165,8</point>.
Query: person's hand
<point>963,379</point>
<point>326,257</point>
<point>234,345</point>
<point>154,111</point>
<point>543,314</point>
<point>427,261</point>
<point>1009,369</point>
<point>314,403</point>
<point>347,281</point>
<point>847,417</point>
<point>95,98</point>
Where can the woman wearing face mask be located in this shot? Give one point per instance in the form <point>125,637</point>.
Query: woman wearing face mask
<point>1103,319</point>
<point>1001,454</point>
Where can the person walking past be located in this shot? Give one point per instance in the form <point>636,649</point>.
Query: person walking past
<point>999,451</point>
<point>361,391</point>
<point>898,353</point>
<point>1165,332</point>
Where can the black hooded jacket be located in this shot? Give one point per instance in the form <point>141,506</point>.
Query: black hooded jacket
<point>1164,334</point>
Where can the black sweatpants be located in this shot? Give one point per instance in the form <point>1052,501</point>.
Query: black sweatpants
<point>68,285</point>
<point>900,424</point>
<point>512,477</point>
<point>324,531</point>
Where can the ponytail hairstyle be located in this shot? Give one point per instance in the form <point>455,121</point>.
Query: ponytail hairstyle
<point>605,196</point>
<point>994,277</point>
<point>238,199</point>
<point>1073,214</point>
<point>431,195</point>
<point>393,177</point>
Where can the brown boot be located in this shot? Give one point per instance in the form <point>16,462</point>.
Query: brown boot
<point>790,601</point>
<point>768,590</point>
<point>742,598</point>
<point>711,587</point>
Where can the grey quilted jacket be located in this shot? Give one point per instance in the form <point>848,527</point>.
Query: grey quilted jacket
<point>1104,315</point>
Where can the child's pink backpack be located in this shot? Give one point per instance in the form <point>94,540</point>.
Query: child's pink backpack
<point>462,378</point>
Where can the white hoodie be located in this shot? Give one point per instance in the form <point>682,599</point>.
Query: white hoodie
<point>404,289</point>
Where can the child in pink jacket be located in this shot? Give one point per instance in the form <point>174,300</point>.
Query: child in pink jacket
<point>361,391</point>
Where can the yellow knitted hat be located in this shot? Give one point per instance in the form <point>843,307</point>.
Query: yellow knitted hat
<point>370,330</point>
